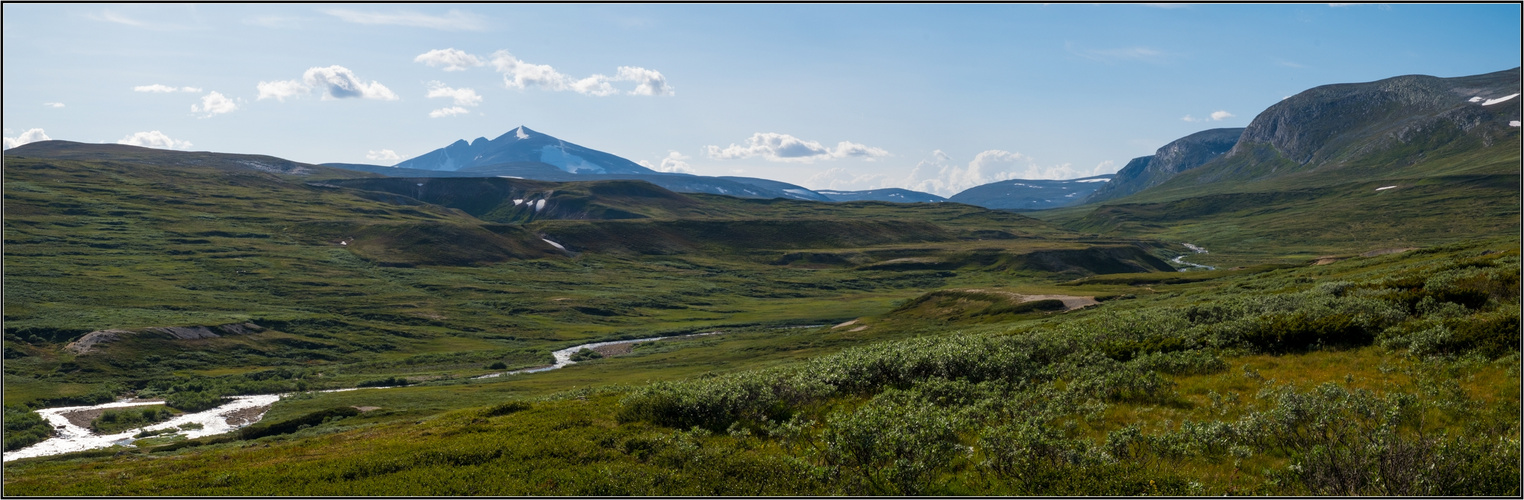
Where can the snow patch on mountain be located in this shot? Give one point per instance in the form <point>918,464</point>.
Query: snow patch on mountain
<point>1490,102</point>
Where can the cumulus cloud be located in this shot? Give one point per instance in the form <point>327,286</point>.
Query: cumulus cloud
<point>214,103</point>
<point>1216,116</point>
<point>783,147</point>
<point>518,74</point>
<point>383,155</point>
<point>450,59</point>
<point>333,82</point>
<point>940,175</point>
<point>28,137</point>
<point>462,97</point>
<point>160,88</point>
<point>53,104</point>
<point>649,82</point>
<point>453,20</point>
<point>450,111</point>
<point>154,139</point>
<point>674,162</point>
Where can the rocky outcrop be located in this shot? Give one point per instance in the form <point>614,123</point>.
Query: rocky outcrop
<point>88,343</point>
<point>1184,154</point>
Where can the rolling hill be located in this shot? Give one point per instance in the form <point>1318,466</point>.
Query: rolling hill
<point>1024,194</point>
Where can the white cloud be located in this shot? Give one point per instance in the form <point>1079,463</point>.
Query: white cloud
<point>462,97</point>
<point>53,104</point>
<point>450,111</point>
<point>650,82</point>
<point>451,59</point>
<point>940,175</point>
<point>154,139</point>
<point>214,103</point>
<point>783,147</point>
<point>28,137</point>
<point>333,82</point>
<point>518,74</point>
<point>383,155</point>
<point>674,162</point>
<point>160,88</point>
<point>280,90</point>
<point>1216,116</point>
<point>454,20</point>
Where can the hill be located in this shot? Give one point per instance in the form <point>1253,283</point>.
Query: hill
<point>896,195</point>
<point>1183,154</point>
<point>1343,169</point>
<point>1024,194</point>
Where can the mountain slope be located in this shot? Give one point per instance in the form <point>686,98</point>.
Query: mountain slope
<point>1183,154</point>
<point>1398,163</point>
<point>522,145</point>
<point>1023,194</point>
<point>895,195</point>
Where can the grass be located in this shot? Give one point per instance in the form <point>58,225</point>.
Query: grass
<point>1174,385</point>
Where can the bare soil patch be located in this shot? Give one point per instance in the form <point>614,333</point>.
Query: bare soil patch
<point>245,416</point>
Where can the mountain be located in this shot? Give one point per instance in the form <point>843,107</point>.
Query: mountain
<point>896,195</point>
<point>1023,194</point>
<point>523,147</point>
<point>526,154</point>
<point>121,153</point>
<point>1183,154</point>
<point>1397,163</point>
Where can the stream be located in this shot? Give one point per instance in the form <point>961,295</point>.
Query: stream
<point>1181,259</point>
<point>238,412</point>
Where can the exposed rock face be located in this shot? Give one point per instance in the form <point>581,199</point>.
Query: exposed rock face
<point>1184,154</point>
<point>87,343</point>
<point>1335,123</point>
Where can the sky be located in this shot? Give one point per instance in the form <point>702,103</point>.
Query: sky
<point>937,98</point>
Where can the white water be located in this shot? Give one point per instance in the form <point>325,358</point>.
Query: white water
<point>563,357</point>
<point>1181,259</point>
<point>70,438</point>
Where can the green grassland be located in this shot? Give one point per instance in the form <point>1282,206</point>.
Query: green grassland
<point>1388,375</point>
<point>1383,374</point>
<point>1446,195</point>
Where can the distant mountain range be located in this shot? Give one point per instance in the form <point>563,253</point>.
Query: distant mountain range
<point>886,194</point>
<point>1023,194</point>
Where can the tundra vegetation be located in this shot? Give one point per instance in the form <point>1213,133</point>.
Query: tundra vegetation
<point>866,348</point>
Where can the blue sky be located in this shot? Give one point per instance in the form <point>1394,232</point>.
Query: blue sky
<point>931,97</point>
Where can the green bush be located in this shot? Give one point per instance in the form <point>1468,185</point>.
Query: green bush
<point>117,420</point>
<point>23,428</point>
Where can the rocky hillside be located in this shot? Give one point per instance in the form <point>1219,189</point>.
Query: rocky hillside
<point>1184,154</point>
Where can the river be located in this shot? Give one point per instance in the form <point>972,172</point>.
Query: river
<point>232,415</point>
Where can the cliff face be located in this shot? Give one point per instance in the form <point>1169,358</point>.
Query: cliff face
<point>1184,154</point>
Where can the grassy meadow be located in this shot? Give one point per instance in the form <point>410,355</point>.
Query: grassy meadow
<point>865,348</point>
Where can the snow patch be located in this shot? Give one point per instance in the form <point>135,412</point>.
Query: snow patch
<point>1490,102</point>
<point>1513,123</point>
<point>1092,180</point>
<point>518,201</point>
<point>1475,99</point>
<point>510,177</point>
<point>552,243</point>
<point>557,155</point>
<point>1384,188</point>
<point>539,204</point>
<point>520,133</point>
